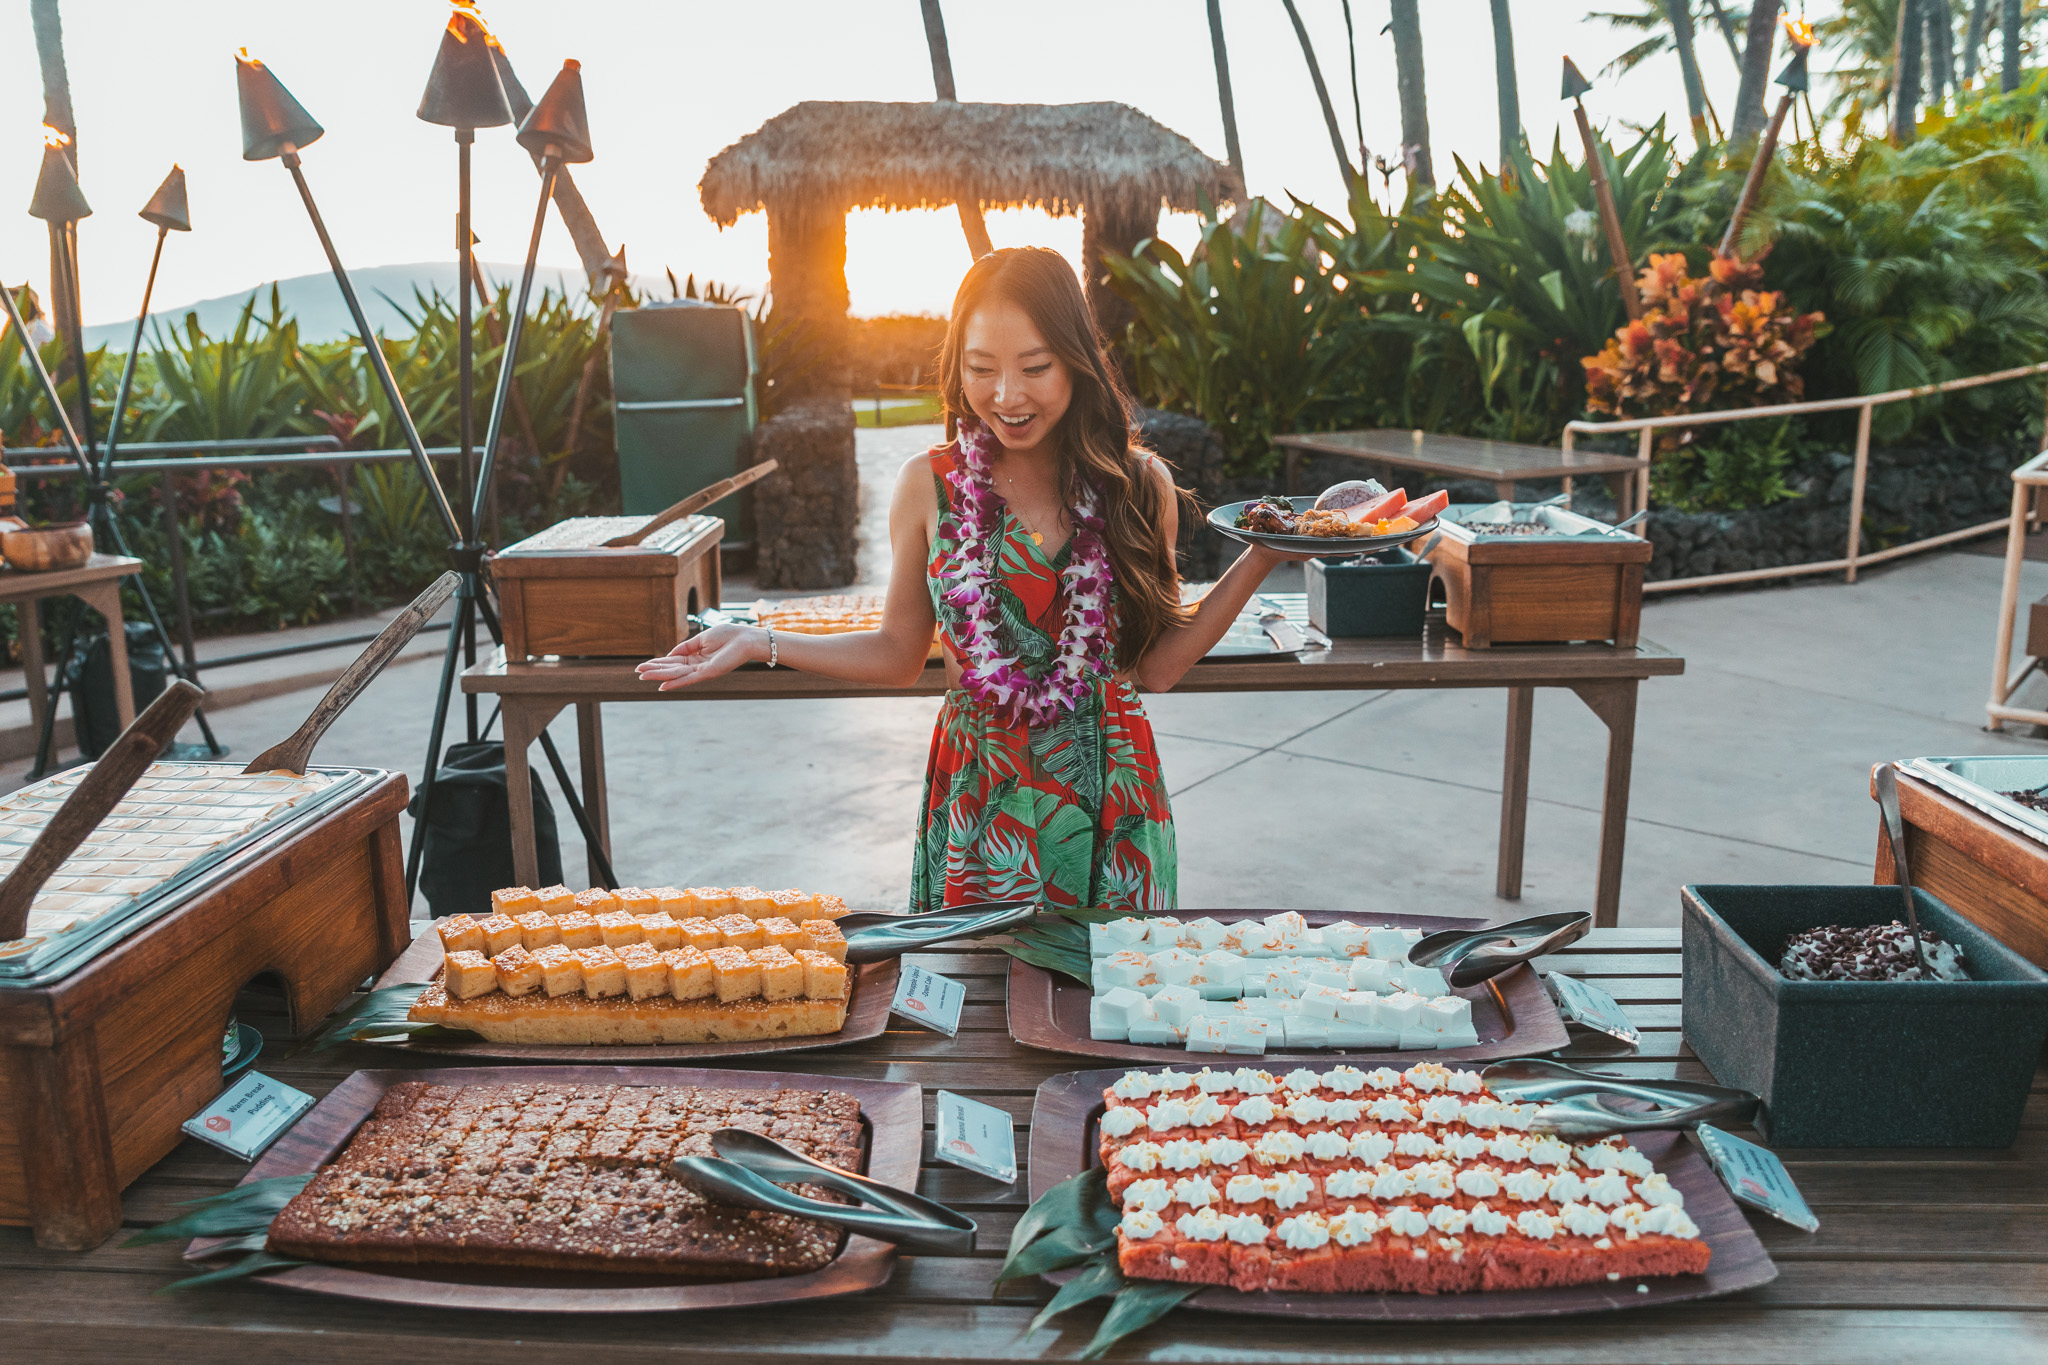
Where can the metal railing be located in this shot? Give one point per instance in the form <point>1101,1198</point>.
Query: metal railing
<point>291,452</point>
<point>1853,556</point>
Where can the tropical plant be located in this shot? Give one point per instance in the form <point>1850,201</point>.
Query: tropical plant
<point>246,383</point>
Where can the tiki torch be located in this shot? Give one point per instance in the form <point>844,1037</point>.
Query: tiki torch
<point>1794,79</point>
<point>59,202</point>
<point>168,212</point>
<point>558,132</point>
<point>464,93</point>
<point>276,125</point>
<point>1576,85</point>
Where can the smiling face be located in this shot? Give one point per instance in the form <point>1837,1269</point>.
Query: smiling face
<point>1011,378</point>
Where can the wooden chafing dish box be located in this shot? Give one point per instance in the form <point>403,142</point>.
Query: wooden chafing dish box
<point>113,1007</point>
<point>1973,846</point>
<point>564,592</point>
<point>1584,582</point>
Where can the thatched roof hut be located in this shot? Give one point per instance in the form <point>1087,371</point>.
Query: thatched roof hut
<point>810,165</point>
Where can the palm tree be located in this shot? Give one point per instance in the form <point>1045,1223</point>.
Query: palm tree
<point>2009,66</point>
<point>49,31</point>
<point>1680,14</point>
<point>1669,26</point>
<point>1864,37</point>
<point>1941,54</point>
<point>1906,84</point>
<point>1407,27</point>
<point>1315,75</point>
<point>1759,39</point>
<point>971,221</point>
<point>1973,38</point>
<point>1505,89</point>
<point>1223,88</point>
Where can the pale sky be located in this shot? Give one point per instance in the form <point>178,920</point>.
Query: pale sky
<point>670,83</point>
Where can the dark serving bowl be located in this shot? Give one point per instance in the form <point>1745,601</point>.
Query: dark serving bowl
<point>1860,1063</point>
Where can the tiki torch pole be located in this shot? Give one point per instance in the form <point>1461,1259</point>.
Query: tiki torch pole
<point>1794,79</point>
<point>169,211</point>
<point>1576,85</point>
<point>60,203</point>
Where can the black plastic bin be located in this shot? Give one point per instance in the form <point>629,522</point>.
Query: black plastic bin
<point>1380,596</point>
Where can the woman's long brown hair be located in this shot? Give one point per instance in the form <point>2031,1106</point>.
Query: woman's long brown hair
<point>1094,436</point>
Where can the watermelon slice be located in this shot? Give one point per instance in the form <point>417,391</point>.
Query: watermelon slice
<point>1425,508</point>
<point>1379,509</point>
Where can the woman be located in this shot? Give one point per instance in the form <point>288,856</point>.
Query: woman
<point>1041,542</point>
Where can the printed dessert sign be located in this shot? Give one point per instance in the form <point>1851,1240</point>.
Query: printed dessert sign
<point>249,1115</point>
<point>978,1136</point>
<point>1756,1177</point>
<point>1592,1015</point>
<point>930,999</point>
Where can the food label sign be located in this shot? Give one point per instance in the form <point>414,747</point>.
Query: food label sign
<point>978,1136</point>
<point>249,1115</point>
<point>1755,1176</point>
<point>930,999</point>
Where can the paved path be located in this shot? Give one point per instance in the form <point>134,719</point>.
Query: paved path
<point>1751,767</point>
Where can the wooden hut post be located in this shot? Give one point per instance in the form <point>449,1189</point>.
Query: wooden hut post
<point>805,534</point>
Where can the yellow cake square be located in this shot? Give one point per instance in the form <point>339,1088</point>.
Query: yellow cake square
<point>673,901</point>
<point>737,974</point>
<point>690,976</point>
<point>537,929</point>
<point>603,973</point>
<point>514,901</point>
<point>467,974</point>
<point>794,905</point>
<point>596,901</point>
<point>556,900</point>
<point>740,931</point>
<point>752,901</point>
<point>701,934</point>
<point>830,907</point>
<point>646,973</point>
<point>824,976</point>
<point>500,932</point>
<point>561,973</point>
<point>659,932</point>
<point>636,900</point>
<point>619,928</point>
<point>578,930</point>
<point>778,932</point>
<point>782,976</point>
<point>518,972</point>
<point>460,934</point>
<point>711,901</point>
<point>825,937</point>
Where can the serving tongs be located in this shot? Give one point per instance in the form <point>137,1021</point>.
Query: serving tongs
<point>1574,1102</point>
<point>872,935</point>
<point>292,755</point>
<point>1467,957</point>
<point>748,1164</point>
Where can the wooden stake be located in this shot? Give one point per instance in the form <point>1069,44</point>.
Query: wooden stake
<point>1753,184</point>
<point>1610,217</point>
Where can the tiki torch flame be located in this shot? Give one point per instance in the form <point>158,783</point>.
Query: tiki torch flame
<point>463,16</point>
<point>53,137</point>
<point>1799,31</point>
<point>242,55</point>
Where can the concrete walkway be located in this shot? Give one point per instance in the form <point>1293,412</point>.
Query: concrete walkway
<point>1751,767</point>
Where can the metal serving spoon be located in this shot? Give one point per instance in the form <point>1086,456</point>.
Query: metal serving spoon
<point>1467,957</point>
<point>1572,1100</point>
<point>872,936</point>
<point>748,1164</point>
<point>1895,827</point>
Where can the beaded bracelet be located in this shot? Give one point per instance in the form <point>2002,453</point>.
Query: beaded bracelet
<point>774,652</point>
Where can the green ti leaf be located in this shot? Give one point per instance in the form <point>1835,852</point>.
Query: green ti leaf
<point>255,1263</point>
<point>1058,1249</point>
<point>1099,1281</point>
<point>240,1212</point>
<point>1079,1204</point>
<point>1137,1306</point>
<point>379,1014</point>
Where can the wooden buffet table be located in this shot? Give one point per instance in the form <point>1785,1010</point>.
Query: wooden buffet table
<point>1500,463</point>
<point>1922,1256</point>
<point>1604,677</point>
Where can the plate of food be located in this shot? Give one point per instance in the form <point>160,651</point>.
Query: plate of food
<point>1341,1192</point>
<point>1297,984</point>
<point>548,1189</point>
<point>650,975</point>
<point>1355,517</point>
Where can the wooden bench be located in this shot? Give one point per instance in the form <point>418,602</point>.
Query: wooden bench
<point>1501,463</point>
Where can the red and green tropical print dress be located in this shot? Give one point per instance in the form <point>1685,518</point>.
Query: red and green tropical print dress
<point>1074,812</point>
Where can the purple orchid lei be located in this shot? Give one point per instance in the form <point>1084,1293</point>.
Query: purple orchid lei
<point>1002,682</point>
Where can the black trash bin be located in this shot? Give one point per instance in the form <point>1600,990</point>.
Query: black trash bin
<point>97,719</point>
<point>467,851</point>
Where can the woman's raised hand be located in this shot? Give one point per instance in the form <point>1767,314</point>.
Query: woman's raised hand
<point>709,654</point>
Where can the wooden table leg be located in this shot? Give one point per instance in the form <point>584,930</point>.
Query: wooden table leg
<point>590,745</point>
<point>523,718</point>
<point>1514,793</point>
<point>1615,704</point>
<point>1505,491</point>
<point>31,631</point>
<point>67,1153</point>
<point>105,598</point>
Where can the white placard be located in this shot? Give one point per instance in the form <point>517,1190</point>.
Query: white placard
<point>929,999</point>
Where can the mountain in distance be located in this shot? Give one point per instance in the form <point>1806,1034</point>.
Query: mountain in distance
<point>315,300</point>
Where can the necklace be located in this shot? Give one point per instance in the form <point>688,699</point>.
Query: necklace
<point>1036,538</point>
<point>999,680</point>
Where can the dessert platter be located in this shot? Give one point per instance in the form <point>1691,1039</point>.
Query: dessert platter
<point>1349,518</point>
<point>830,614</point>
<point>2007,787</point>
<point>1344,1191</point>
<point>1286,983</point>
<point>667,973</point>
<point>546,1189</point>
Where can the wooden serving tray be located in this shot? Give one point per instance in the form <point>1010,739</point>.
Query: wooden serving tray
<point>1065,1141</point>
<point>867,1017</point>
<point>1513,1014</point>
<point>892,1117</point>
